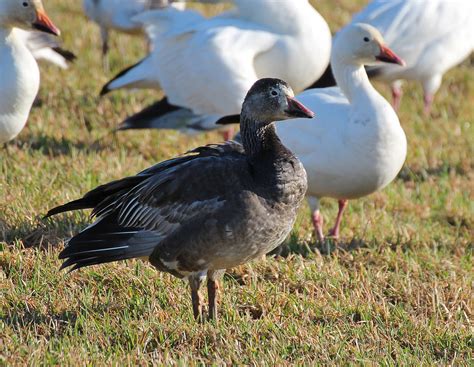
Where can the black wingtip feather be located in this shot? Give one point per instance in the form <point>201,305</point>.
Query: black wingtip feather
<point>228,120</point>
<point>105,89</point>
<point>101,194</point>
<point>73,205</point>
<point>68,55</point>
<point>143,119</point>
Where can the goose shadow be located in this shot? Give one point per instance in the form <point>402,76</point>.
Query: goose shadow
<point>42,232</point>
<point>19,320</point>
<point>408,174</point>
<point>294,246</point>
<point>54,147</point>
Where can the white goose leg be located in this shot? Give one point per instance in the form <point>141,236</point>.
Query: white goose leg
<point>317,218</point>
<point>430,86</point>
<point>397,93</point>
<point>228,133</point>
<point>334,232</point>
<point>428,102</point>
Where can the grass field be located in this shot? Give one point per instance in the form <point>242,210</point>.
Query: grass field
<point>398,290</point>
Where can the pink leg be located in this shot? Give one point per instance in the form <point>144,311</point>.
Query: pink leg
<point>428,101</point>
<point>334,232</point>
<point>397,94</point>
<point>318,224</point>
<point>228,134</point>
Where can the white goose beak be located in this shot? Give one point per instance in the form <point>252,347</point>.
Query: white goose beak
<point>388,56</point>
<point>44,24</point>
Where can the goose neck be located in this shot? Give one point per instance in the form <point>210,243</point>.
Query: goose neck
<point>258,138</point>
<point>353,80</point>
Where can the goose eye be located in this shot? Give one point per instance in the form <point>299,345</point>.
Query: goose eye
<point>274,93</point>
<point>366,39</point>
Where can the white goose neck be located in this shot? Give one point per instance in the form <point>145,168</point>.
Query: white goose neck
<point>353,81</point>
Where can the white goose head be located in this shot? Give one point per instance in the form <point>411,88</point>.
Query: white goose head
<point>362,44</point>
<point>26,14</point>
<point>272,100</point>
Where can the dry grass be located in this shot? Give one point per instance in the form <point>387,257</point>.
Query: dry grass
<point>399,291</point>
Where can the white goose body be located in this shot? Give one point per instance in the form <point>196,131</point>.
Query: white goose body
<point>355,145</point>
<point>352,149</point>
<point>207,65</point>
<point>19,81</point>
<point>19,73</point>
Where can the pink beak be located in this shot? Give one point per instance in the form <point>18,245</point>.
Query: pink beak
<point>388,56</point>
<point>44,24</point>
<point>297,109</point>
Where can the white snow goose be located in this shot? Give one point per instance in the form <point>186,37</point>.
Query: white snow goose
<point>118,15</point>
<point>358,146</point>
<point>214,208</point>
<point>19,77</point>
<point>432,36</point>
<point>205,66</point>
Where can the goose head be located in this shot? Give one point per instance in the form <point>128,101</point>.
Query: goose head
<point>26,14</point>
<point>270,100</point>
<point>362,44</point>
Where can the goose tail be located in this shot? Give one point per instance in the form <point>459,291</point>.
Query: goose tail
<point>107,241</point>
<point>136,76</point>
<point>164,115</point>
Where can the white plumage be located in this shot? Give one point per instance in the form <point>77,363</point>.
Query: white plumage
<point>19,76</point>
<point>432,36</point>
<point>207,65</point>
<point>355,145</point>
<point>118,15</point>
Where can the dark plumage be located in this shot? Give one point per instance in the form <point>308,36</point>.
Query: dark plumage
<point>153,116</point>
<point>164,115</point>
<point>216,207</point>
<point>105,89</point>
<point>68,55</point>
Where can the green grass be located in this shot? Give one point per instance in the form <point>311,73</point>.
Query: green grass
<point>397,291</point>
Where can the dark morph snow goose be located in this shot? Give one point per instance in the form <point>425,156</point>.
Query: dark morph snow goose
<point>214,208</point>
<point>19,73</point>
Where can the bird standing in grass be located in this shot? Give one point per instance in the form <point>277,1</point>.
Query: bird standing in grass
<point>214,208</point>
<point>358,145</point>
<point>19,76</point>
